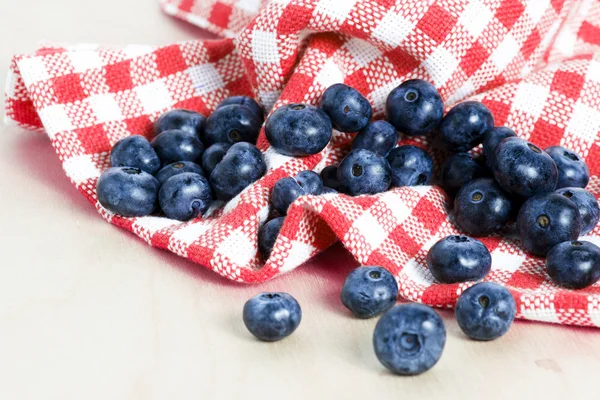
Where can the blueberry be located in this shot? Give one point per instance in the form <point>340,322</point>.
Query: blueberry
<point>572,170</point>
<point>310,181</point>
<point>574,265</point>
<point>523,169</point>
<point>184,120</point>
<point>267,235</point>
<point>298,130</point>
<point>460,169</point>
<point>176,168</point>
<point>213,155</point>
<point>242,165</point>
<point>459,259</point>
<point>586,204</point>
<point>127,191</point>
<point>137,152</point>
<point>364,172</point>
<point>177,145</point>
<point>349,110</point>
<point>482,207</point>
<point>285,192</point>
<point>368,291</point>
<point>485,311</point>
<point>491,139</point>
<point>547,220</point>
<point>232,124</point>
<point>379,137</point>
<point>409,339</point>
<point>328,190</point>
<point>415,107</point>
<point>246,102</point>
<point>185,196</point>
<point>464,125</point>
<point>329,177</point>
<point>411,166</point>
<point>272,316</point>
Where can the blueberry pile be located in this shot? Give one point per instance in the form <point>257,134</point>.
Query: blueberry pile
<point>514,187</point>
<point>175,173</point>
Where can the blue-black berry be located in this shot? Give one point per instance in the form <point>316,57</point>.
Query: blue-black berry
<point>272,316</point>
<point>232,124</point>
<point>485,311</point>
<point>267,235</point>
<point>572,170</point>
<point>411,166</point>
<point>137,152</point>
<point>364,172</point>
<point>378,136</point>
<point>176,168</point>
<point>586,204</point>
<point>464,125</point>
<point>459,259</point>
<point>368,291</point>
<point>409,339</point>
<point>574,265</point>
<point>185,196</point>
<point>349,110</point>
<point>415,107</point>
<point>177,145</point>
<point>298,130</point>
<point>127,191</point>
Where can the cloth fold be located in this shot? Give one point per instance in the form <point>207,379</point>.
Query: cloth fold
<point>535,64</point>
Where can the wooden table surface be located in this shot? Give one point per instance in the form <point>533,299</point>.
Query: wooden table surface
<point>88,311</point>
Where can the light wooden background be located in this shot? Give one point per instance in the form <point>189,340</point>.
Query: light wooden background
<point>90,312</point>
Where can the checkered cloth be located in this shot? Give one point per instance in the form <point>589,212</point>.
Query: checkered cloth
<point>535,64</point>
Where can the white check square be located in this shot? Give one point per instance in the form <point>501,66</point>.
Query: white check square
<point>105,107</point>
<point>154,96</point>
<point>362,52</point>
<point>85,60</point>
<point>264,47</point>
<point>585,122</point>
<point>335,9</point>
<point>393,29</point>
<point>440,65</point>
<point>475,17</point>
<point>33,70</point>
<point>506,51</point>
<point>238,248</point>
<point>206,78</point>
<point>55,119</point>
<point>370,229</point>
<point>81,168</point>
<point>531,98</point>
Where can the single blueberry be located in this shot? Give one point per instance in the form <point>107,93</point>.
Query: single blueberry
<point>364,172</point>
<point>482,207</point>
<point>232,124</point>
<point>572,170</point>
<point>310,181</point>
<point>176,168</point>
<point>127,191</point>
<point>185,196</point>
<point>179,119</point>
<point>349,110</point>
<point>379,137</point>
<point>329,177</point>
<point>409,339</point>
<point>137,152</point>
<point>491,139</point>
<point>574,265</point>
<point>285,192</point>
<point>485,311</point>
<point>246,102</point>
<point>177,145</point>
<point>546,220</point>
<point>415,107</point>
<point>586,204</point>
<point>213,155</point>
<point>328,190</point>
<point>267,235</point>
<point>368,291</point>
<point>464,125</point>
<point>460,169</point>
<point>272,316</point>
<point>411,166</point>
<point>298,130</point>
<point>524,169</point>
<point>242,165</point>
<point>459,259</point>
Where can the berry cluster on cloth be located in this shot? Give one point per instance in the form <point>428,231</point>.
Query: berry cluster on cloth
<point>535,64</point>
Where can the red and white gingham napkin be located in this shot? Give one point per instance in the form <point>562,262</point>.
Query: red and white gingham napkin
<point>535,64</point>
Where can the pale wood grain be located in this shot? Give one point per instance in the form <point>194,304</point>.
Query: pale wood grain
<point>88,311</point>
